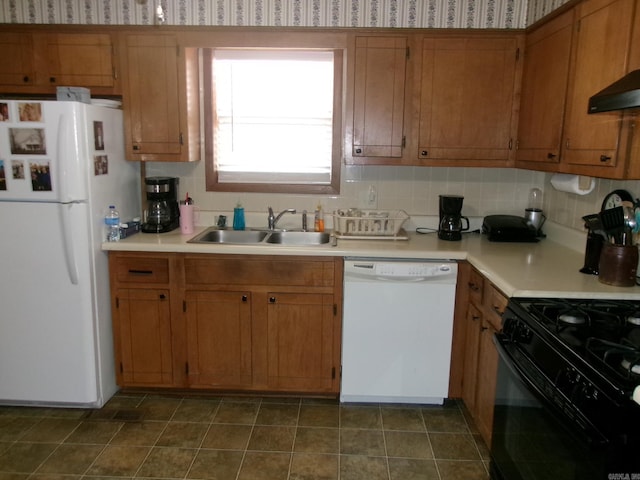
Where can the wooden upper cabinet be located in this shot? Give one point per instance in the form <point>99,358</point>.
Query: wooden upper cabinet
<point>80,59</point>
<point>18,65</point>
<point>594,144</point>
<point>160,100</point>
<point>38,62</point>
<point>379,82</point>
<point>467,87</point>
<point>544,90</point>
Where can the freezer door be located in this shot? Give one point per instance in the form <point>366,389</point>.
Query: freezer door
<point>47,323</point>
<point>44,151</point>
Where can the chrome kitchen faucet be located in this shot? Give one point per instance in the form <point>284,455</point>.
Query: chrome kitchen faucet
<point>272,220</point>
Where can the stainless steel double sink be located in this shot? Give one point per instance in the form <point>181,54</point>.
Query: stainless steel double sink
<point>261,237</point>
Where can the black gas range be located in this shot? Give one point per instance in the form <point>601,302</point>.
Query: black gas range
<point>564,401</point>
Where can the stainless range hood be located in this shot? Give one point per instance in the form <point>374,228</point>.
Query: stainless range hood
<point>620,95</point>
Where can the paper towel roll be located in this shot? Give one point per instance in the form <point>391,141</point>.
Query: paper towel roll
<point>577,184</point>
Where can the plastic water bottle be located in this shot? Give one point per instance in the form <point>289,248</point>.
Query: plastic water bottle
<point>112,224</point>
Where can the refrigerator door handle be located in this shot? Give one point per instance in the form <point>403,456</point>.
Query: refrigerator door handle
<point>72,158</point>
<point>63,136</point>
<point>67,242</point>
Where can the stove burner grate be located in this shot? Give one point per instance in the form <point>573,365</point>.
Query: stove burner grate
<point>633,319</point>
<point>573,318</point>
<point>622,358</point>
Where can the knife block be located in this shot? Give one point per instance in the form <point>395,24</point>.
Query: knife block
<point>618,265</point>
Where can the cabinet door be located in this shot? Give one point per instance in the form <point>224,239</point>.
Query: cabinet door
<point>472,341</point>
<point>486,388</point>
<point>467,100</point>
<point>301,333</point>
<point>379,96</point>
<point>218,339</point>
<point>17,66</point>
<point>544,87</point>
<point>80,59</point>
<point>152,106</point>
<point>142,332</point>
<point>602,36</point>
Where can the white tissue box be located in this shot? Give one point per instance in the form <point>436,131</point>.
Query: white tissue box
<point>73,94</point>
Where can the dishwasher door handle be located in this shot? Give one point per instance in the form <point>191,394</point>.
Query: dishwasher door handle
<point>368,266</point>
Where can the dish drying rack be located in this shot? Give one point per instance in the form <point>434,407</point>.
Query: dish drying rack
<point>369,224</point>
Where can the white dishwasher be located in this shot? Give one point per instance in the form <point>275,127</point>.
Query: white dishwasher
<point>397,330</point>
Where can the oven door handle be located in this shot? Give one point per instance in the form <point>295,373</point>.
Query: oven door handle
<point>591,434</point>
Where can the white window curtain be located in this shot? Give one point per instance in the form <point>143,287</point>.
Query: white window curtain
<point>273,112</point>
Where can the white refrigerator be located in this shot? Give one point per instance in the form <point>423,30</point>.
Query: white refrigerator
<point>61,165</point>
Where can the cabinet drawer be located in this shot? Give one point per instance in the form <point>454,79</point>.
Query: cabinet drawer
<point>494,307</point>
<point>142,270</point>
<point>290,271</point>
<point>476,287</point>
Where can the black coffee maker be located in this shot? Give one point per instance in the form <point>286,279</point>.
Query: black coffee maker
<point>451,220</point>
<point>163,213</point>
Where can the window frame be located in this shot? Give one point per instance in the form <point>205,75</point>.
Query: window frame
<point>211,175</point>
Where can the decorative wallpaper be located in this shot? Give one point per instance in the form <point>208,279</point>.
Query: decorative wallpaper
<point>296,13</point>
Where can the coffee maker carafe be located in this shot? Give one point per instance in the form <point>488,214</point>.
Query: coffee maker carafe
<point>162,214</point>
<point>451,220</point>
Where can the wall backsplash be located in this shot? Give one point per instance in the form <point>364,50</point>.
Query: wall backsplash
<point>414,189</point>
<point>486,191</point>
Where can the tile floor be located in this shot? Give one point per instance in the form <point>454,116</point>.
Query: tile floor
<point>237,438</point>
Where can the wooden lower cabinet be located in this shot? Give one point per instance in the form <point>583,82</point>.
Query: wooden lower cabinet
<point>472,347</point>
<point>484,306</point>
<point>486,381</point>
<point>218,339</point>
<point>301,333</point>
<point>142,328</point>
<point>247,323</point>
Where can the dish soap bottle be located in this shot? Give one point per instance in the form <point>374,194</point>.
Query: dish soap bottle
<point>238,217</point>
<point>318,224</point>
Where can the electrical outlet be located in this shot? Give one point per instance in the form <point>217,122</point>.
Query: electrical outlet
<point>372,196</point>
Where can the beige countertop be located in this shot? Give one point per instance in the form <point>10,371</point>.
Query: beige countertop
<point>543,269</point>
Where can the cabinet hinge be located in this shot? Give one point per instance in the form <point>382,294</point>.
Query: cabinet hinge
<point>333,373</point>
<point>408,53</point>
